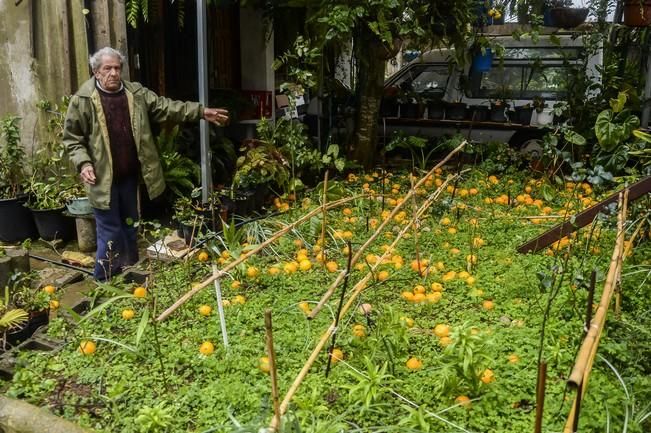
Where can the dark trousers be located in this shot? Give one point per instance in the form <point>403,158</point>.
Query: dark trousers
<point>116,234</point>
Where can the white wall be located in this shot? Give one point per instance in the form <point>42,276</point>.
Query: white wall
<point>257,51</point>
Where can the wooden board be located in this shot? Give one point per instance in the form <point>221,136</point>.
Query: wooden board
<point>582,219</point>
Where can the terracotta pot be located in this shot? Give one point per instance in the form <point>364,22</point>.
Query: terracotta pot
<point>637,13</point>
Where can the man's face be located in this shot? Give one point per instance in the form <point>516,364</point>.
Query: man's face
<point>108,74</point>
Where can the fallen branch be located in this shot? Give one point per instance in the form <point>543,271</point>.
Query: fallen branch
<point>183,299</point>
<point>357,290</point>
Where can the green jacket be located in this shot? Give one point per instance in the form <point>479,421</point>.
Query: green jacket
<point>86,138</point>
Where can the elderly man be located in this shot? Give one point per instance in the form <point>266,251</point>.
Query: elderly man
<point>109,139</point>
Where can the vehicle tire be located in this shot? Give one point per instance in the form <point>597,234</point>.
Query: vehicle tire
<point>529,145</point>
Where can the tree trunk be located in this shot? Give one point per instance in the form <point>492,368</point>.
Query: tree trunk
<point>20,417</point>
<point>371,56</point>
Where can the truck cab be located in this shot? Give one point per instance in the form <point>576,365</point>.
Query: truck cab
<point>454,100</point>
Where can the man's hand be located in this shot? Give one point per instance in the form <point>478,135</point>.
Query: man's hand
<point>218,116</point>
<point>88,174</point>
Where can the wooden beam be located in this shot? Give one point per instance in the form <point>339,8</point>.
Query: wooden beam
<point>582,219</point>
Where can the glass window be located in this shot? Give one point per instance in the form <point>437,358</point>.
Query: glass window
<point>424,78</point>
<point>520,82</point>
<point>542,53</point>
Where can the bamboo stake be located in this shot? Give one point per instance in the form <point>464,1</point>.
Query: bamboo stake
<point>357,289</point>
<point>272,367</point>
<point>540,395</point>
<point>585,358</point>
<point>325,213</point>
<point>183,299</point>
<point>331,290</point>
<point>415,226</point>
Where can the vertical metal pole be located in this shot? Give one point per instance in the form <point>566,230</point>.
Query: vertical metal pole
<point>202,59</point>
<point>220,306</point>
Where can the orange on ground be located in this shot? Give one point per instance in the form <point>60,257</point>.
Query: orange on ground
<point>441,330</point>
<point>487,376</point>
<point>359,331</point>
<point>49,289</point>
<point>463,400</point>
<point>337,355</point>
<point>140,292</point>
<point>128,313</point>
<point>87,347</point>
<point>205,310</point>
<point>202,256</point>
<point>414,364</point>
<point>206,348</point>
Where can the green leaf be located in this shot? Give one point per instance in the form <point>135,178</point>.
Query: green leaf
<point>574,137</point>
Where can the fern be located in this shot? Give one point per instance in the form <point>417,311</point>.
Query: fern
<point>133,10</point>
<point>13,318</point>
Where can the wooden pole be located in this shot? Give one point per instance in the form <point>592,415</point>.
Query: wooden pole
<point>588,307</point>
<point>272,368</point>
<point>331,290</point>
<point>540,395</point>
<point>585,358</point>
<point>325,213</point>
<point>357,289</point>
<point>183,299</point>
<point>415,226</point>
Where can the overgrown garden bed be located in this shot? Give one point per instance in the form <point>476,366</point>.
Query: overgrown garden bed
<point>454,347</point>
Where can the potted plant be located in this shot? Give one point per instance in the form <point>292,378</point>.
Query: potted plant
<point>497,12</point>
<point>498,110</point>
<point>410,106</point>
<point>47,201</point>
<point>389,104</point>
<point>523,114</point>
<point>260,166</point>
<point>12,321</point>
<point>25,294</point>
<point>16,223</point>
<point>562,14</point>
<point>482,54</point>
<point>544,115</point>
<point>433,100</point>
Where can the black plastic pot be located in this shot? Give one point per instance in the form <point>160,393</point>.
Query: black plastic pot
<point>435,110</point>
<point>498,113</point>
<point>191,232</point>
<point>523,115</point>
<point>27,329</point>
<point>52,224</point>
<point>409,110</point>
<point>38,319</point>
<point>480,113</point>
<point>456,111</point>
<point>389,108</point>
<point>568,18</point>
<point>16,221</point>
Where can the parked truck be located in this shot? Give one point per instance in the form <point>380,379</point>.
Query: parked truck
<point>510,98</point>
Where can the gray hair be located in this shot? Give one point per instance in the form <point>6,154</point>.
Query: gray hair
<point>96,59</point>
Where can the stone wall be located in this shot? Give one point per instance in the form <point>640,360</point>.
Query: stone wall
<point>44,53</point>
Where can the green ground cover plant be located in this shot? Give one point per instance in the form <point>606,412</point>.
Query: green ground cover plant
<point>451,348</point>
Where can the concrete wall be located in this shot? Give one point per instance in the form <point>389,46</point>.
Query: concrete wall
<point>257,51</point>
<point>44,53</point>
